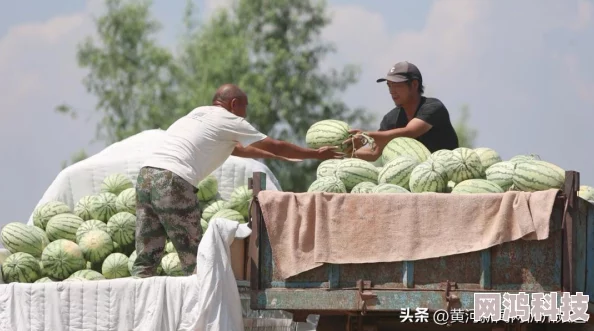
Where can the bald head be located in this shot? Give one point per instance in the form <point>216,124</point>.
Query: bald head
<point>232,98</point>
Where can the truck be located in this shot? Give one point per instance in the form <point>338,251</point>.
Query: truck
<point>375,296</point>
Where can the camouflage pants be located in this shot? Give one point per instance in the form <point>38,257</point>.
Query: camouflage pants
<point>166,206</point>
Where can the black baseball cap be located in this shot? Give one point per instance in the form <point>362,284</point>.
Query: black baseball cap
<point>402,72</point>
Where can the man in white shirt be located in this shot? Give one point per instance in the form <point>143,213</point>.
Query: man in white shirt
<point>196,145</point>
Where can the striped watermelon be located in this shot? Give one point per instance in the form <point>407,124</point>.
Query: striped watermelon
<point>82,208</point>
<point>389,188</point>
<point>467,165</point>
<point>327,168</point>
<point>524,157</point>
<point>327,184</point>
<point>172,265</point>
<point>398,171</point>
<point>204,204</point>
<point>354,171</point>
<point>61,258</point>
<point>44,280</point>
<point>204,225</point>
<point>405,146</point>
<point>213,209</point>
<point>19,237</point>
<point>43,213</point>
<point>88,226</point>
<point>115,184</point>
<point>87,274</point>
<point>327,133</point>
<point>169,248</point>
<point>229,214</point>
<point>103,206</point>
<point>502,174</point>
<point>586,192</point>
<point>473,186</point>
<point>537,175</point>
<point>446,158</point>
<point>122,228</point>
<point>63,226</point>
<point>126,201</point>
<point>487,156</point>
<point>208,188</point>
<point>96,245</point>
<point>363,187</point>
<point>240,200</point>
<point>115,266</point>
<point>429,176</point>
<point>21,267</point>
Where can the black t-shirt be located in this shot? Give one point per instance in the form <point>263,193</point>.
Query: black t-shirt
<point>441,135</point>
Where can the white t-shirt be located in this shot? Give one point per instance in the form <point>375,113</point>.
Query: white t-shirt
<point>198,143</point>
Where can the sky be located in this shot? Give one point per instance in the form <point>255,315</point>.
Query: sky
<point>524,67</point>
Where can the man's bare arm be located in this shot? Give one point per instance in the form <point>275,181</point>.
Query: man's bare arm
<point>288,150</point>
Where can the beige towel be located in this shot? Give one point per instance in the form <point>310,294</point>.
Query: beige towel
<point>307,230</point>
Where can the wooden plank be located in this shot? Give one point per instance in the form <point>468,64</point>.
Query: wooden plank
<point>568,232</point>
<point>333,276</point>
<point>590,253</point>
<point>258,183</point>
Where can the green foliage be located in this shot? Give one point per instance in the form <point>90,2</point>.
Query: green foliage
<point>272,49</point>
<point>76,157</point>
<point>466,134</point>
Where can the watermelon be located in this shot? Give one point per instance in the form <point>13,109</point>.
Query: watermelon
<point>475,186</point>
<point>229,214</point>
<point>466,165</point>
<point>126,201</point>
<point>240,200</point>
<point>87,274</point>
<point>103,206</point>
<point>122,228</point>
<point>586,192</point>
<point>398,171</point>
<point>213,209</point>
<point>82,208</point>
<point>44,280</point>
<point>204,225</point>
<point>428,176</point>
<point>115,266</point>
<point>19,237</point>
<point>363,187</point>
<point>327,184</point>
<point>445,157</point>
<point>538,175</point>
<point>405,146</point>
<point>487,156</point>
<point>75,279</point>
<point>96,245</point>
<point>502,174</point>
<point>21,267</point>
<point>43,213</point>
<point>172,265</point>
<point>169,248</point>
<point>524,157</point>
<point>354,171</point>
<point>389,188</point>
<point>115,184</point>
<point>327,133</point>
<point>208,188</point>
<point>61,258</point>
<point>88,226</point>
<point>63,226</point>
<point>327,168</point>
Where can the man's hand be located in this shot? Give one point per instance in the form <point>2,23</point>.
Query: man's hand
<point>282,158</point>
<point>329,152</point>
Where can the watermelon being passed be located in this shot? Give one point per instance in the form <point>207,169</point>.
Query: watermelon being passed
<point>327,133</point>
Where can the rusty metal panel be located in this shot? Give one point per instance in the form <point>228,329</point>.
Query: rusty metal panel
<point>381,274</point>
<point>464,269</point>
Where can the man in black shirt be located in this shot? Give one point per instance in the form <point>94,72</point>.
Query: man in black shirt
<point>415,116</point>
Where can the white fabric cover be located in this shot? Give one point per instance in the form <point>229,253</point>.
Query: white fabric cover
<point>126,157</point>
<point>208,301</point>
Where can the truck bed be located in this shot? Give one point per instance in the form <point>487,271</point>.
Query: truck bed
<point>557,264</point>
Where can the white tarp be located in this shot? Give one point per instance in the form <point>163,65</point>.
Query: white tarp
<point>126,157</point>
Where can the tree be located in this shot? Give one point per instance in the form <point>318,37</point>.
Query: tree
<point>270,48</point>
<point>466,134</point>
<point>76,157</point>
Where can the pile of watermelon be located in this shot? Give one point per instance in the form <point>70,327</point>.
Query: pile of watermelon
<point>96,239</point>
<point>407,166</point>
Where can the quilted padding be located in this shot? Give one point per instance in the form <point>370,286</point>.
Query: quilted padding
<point>126,157</point>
